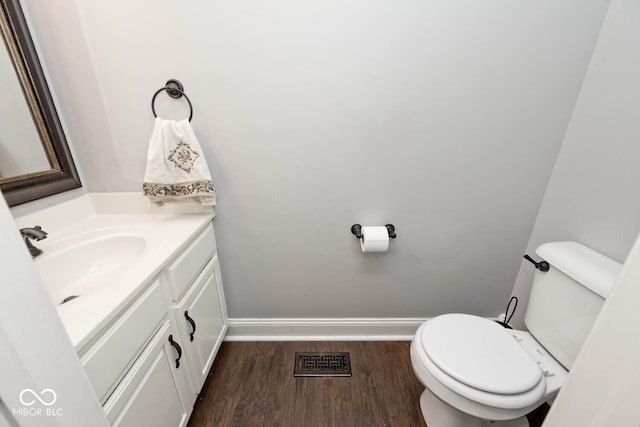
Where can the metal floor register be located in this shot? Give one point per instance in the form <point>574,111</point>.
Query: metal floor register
<point>322,365</point>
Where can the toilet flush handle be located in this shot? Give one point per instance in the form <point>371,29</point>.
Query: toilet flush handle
<point>542,265</point>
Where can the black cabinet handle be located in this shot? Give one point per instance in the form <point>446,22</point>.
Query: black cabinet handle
<point>178,349</point>
<point>192,322</point>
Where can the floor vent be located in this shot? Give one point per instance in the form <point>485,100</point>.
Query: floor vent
<point>322,365</point>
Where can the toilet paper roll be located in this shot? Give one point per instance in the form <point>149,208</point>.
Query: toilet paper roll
<point>374,239</point>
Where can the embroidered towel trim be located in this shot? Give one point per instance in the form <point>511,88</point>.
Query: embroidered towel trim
<point>176,168</point>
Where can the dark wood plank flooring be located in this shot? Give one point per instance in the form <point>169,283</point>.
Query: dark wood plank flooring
<point>251,384</point>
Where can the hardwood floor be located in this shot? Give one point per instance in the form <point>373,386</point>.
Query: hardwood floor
<point>251,384</point>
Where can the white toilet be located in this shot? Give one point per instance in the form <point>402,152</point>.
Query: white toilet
<point>478,373</point>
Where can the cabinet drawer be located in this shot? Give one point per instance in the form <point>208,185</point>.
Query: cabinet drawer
<point>184,269</point>
<point>147,395</point>
<point>106,361</point>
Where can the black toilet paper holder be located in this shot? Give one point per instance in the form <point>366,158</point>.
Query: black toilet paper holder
<point>357,230</point>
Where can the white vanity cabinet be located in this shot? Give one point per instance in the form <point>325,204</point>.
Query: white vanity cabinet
<point>201,320</point>
<point>155,391</point>
<point>149,363</point>
<point>198,304</point>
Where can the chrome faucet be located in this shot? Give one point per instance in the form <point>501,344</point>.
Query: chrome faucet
<point>33,233</point>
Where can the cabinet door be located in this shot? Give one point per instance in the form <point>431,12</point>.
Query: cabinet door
<point>204,320</point>
<point>150,394</point>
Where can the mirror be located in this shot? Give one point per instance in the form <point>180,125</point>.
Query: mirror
<point>35,161</point>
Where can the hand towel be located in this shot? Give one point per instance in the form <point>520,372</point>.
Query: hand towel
<point>176,167</point>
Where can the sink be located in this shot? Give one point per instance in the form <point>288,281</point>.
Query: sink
<point>81,264</point>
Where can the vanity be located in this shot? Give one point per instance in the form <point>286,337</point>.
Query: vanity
<point>137,288</point>
<point>139,292</point>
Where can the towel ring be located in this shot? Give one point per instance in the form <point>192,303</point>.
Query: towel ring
<point>175,90</point>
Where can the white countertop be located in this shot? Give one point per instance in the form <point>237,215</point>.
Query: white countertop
<point>166,235</point>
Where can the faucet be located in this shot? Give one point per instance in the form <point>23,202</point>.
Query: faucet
<point>33,233</point>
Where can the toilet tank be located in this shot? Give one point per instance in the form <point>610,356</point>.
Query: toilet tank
<point>565,301</point>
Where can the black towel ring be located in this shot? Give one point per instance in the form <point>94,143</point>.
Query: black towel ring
<point>175,90</point>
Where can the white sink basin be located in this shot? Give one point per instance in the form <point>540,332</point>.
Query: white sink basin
<point>77,265</point>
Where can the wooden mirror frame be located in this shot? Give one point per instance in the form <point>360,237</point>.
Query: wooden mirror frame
<point>63,175</point>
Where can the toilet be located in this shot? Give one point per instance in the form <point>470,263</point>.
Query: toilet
<point>478,373</point>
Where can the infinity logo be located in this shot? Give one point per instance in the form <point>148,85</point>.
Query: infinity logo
<point>30,402</point>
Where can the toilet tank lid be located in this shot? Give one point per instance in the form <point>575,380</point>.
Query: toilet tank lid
<point>593,270</point>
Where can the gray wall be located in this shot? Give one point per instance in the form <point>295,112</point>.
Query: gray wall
<point>442,117</point>
<point>592,196</point>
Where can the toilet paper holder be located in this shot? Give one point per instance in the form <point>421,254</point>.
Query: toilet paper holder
<point>357,230</point>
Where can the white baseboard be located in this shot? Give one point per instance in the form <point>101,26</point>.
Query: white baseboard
<point>306,329</point>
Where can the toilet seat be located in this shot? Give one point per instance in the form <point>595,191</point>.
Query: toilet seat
<point>453,341</point>
<point>479,353</point>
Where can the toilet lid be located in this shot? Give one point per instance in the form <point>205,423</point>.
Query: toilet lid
<point>479,353</point>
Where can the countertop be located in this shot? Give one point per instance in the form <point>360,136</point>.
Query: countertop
<point>166,235</point>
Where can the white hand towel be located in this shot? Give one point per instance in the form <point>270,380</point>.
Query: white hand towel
<point>176,167</point>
